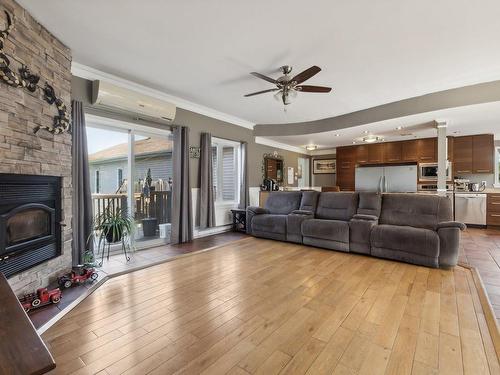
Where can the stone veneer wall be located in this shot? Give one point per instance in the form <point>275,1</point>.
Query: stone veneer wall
<point>23,152</point>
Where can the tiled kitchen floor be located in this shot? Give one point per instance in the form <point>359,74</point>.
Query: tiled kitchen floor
<point>481,248</point>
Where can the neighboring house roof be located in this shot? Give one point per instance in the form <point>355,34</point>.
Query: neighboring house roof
<point>143,147</point>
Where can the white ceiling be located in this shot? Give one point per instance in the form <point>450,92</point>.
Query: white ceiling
<point>476,119</point>
<point>371,52</point>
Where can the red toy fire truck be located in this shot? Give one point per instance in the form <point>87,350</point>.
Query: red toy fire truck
<point>78,276</point>
<point>42,297</point>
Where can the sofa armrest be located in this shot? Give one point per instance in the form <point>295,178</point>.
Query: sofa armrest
<point>302,212</point>
<point>451,224</point>
<point>258,210</point>
<point>365,217</point>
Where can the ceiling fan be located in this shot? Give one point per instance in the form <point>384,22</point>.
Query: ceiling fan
<point>288,86</point>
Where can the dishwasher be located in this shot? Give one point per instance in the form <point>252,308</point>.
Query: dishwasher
<point>470,208</point>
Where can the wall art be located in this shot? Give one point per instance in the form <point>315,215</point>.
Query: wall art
<point>29,81</point>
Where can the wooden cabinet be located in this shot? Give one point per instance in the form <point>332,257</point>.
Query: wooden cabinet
<point>427,150</point>
<point>376,153</point>
<point>493,209</point>
<point>473,154</point>
<point>346,163</point>
<point>393,152</point>
<point>483,148</point>
<point>462,155</point>
<point>362,154</point>
<point>409,150</point>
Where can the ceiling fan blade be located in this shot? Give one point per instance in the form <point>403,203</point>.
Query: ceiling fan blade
<point>261,92</point>
<point>306,74</point>
<point>265,78</point>
<point>307,88</point>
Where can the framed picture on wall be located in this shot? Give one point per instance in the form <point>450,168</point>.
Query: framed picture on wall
<point>324,166</point>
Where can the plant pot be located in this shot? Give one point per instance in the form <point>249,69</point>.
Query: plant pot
<point>111,238</point>
<point>149,226</point>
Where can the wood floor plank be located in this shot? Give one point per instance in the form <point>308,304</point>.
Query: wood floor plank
<point>267,307</point>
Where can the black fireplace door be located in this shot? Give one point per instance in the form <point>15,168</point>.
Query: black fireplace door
<point>26,226</point>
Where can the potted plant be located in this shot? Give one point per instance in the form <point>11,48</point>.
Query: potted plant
<point>113,225</point>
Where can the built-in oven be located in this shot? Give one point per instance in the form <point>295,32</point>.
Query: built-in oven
<point>429,171</point>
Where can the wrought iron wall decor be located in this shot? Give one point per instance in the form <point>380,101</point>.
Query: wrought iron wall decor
<point>25,79</point>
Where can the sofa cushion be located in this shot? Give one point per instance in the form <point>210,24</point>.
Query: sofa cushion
<point>418,241</point>
<point>337,205</point>
<point>415,210</point>
<point>369,203</point>
<point>283,202</point>
<point>309,201</point>
<point>269,223</point>
<point>333,230</point>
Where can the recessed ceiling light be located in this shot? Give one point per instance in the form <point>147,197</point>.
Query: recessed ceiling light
<point>372,138</point>
<point>399,128</point>
<point>311,147</point>
<point>366,132</point>
<point>353,142</point>
<point>337,135</point>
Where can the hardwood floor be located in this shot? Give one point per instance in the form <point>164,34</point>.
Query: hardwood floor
<point>264,307</point>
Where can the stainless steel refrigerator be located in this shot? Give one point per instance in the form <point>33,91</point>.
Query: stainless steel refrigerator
<point>393,179</point>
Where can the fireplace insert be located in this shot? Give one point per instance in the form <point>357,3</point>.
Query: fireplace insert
<point>30,221</point>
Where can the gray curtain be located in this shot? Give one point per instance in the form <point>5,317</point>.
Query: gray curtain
<point>82,199</point>
<point>182,223</point>
<point>244,195</point>
<point>207,207</point>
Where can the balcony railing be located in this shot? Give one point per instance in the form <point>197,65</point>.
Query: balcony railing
<point>157,205</point>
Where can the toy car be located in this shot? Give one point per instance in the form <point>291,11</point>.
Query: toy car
<point>40,298</point>
<point>78,276</point>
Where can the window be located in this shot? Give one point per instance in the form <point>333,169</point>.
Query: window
<point>97,182</point>
<point>225,162</point>
<point>119,178</point>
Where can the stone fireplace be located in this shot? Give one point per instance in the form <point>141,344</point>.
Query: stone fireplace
<point>43,156</point>
<point>30,221</point>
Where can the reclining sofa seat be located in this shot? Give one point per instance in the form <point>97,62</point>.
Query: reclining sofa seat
<point>271,221</point>
<point>330,227</point>
<point>416,229</point>
<point>366,218</point>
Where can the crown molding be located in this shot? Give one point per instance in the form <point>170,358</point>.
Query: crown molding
<point>86,72</point>
<point>282,146</point>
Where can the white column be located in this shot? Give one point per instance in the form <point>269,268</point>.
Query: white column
<point>441,156</point>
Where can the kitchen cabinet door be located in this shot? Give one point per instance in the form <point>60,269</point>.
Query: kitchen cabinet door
<point>362,154</point>
<point>462,155</point>
<point>409,151</point>
<point>393,152</point>
<point>483,153</point>
<point>376,153</point>
<point>346,163</point>
<point>427,150</point>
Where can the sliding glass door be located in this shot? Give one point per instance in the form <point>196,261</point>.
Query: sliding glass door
<point>131,170</point>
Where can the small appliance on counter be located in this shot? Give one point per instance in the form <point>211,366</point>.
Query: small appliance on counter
<point>269,185</point>
<point>461,185</point>
<point>476,187</point>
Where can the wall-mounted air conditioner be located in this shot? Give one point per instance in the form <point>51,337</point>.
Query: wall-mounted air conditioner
<point>109,96</point>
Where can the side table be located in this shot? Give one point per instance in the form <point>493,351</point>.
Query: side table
<point>239,220</point>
